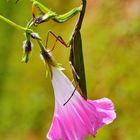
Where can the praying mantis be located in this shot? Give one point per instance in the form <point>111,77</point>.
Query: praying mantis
<point>75,43</point>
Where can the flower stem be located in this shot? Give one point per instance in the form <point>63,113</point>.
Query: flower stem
<point>14,24</point>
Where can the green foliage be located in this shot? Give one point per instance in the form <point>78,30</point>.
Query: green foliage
<point>111,53</point>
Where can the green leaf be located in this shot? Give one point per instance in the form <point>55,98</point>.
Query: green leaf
<point>76,58</point>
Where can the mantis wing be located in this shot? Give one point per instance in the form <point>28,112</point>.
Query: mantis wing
<point>77,63</point>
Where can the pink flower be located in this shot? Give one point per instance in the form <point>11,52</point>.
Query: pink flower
<point>79,117</point>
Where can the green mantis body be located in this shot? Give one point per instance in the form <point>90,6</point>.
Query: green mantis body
<point>76,54</point>
<point>48,14</point>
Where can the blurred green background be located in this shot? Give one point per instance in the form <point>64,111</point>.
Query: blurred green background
<point>111,45</point>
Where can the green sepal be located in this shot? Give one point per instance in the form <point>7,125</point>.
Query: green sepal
<point>25,58</point>
<point>48,71</point>
<point>59,66</point>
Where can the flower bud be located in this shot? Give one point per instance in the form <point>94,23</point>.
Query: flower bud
<point>27,47</point>
<point>35,36</point>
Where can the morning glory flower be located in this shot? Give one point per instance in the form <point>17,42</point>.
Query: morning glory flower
<point>79,117</point>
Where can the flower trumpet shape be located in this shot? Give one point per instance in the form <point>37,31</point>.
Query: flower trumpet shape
<point>79,117</point>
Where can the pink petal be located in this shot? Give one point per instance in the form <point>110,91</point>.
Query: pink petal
<point>78,118</point>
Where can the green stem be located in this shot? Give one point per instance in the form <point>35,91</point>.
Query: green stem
<point>14,24</point>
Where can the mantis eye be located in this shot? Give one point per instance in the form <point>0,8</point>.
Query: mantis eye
<point>38,20</point>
